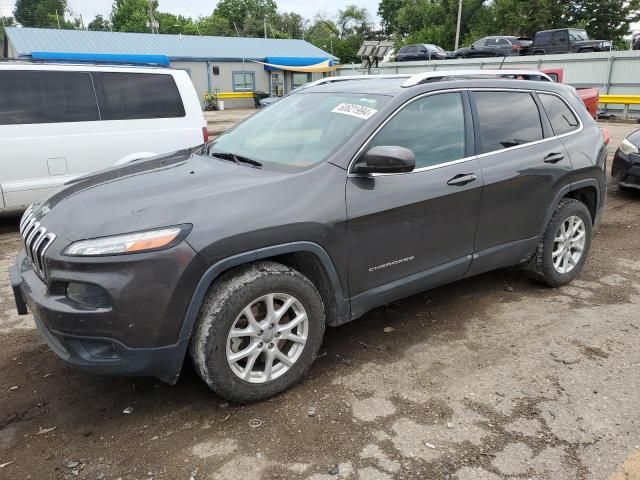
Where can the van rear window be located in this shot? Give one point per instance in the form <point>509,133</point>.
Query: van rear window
<point>129,96</point>
<point>36,96</point>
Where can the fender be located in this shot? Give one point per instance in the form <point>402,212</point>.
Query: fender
<point>134,156</point>
<point>589,182</point>
<point>343,308</point>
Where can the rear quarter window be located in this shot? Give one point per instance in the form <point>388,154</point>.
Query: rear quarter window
<point>560,115</point>
<point>130,96</point>
<point>507,119</point>
<point>36,96</point>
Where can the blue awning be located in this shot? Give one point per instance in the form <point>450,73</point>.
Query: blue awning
<point>276,63</point>
<point>156,60</point>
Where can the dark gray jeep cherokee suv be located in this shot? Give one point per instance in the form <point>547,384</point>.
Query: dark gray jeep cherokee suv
<point>331,202</point>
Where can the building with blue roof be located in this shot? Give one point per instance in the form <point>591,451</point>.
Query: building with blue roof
<point>233,66</point>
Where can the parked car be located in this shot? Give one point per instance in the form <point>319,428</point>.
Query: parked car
<point>422,51</point>
<point>497,46</point>
<point>635,41</point>
<point>239,252</point>
<point>626,163</point>
<point>58,122</point>
<point>566,40</point>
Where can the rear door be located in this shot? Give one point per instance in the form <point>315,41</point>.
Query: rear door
<point>559,42</point>
<point>416,229</point>
<point>523,165</point>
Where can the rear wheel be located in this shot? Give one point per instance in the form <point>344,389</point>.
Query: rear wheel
<point>565,245</point>
<point>258,331</point>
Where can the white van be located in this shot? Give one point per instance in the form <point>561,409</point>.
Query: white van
<point>61,121</point>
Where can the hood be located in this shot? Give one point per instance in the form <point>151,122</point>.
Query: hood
<point>165,190</point>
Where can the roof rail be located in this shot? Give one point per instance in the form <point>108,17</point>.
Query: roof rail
<point>356,77</point>
<point>435,76</point>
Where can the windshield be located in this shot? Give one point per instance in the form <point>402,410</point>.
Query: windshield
<point>300,130</point>
<point>578,35</point>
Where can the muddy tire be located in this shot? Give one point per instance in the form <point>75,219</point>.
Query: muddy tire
<point>258,331</point>
<point>565,245</point>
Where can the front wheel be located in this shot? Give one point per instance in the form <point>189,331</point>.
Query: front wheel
<point>258,331</point>
<point>565,245</point>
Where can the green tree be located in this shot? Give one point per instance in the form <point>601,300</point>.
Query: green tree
<point>603,19</point>
<point>388,12</point>
<point>99,23</point>
<point>248,16</point>
<point>42,13</point>
<point>215,25</point>
<point>131,15</point>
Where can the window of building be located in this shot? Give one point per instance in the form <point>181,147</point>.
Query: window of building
<point>244,81</point>
<point>431,127</point>
<point>29,97</point>
<point>507,119</point>
<point>127,96</point>
<point>560,115</point>
<point>298,79</point>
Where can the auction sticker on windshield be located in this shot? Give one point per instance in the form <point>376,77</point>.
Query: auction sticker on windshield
<point>358,111</point>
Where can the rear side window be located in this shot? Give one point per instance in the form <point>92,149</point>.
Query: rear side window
<point>543,37</point>
<point>129,96</point>
<point>431,127</point>
<point>507,119</point>
<point>36,96</point>
<point>560,115</point>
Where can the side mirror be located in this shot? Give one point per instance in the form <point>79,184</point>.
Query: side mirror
<point>472,46</point>
<point>386,159</point>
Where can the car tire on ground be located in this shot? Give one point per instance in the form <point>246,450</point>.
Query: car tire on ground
<point>258,331</point>
<point>565,245</point>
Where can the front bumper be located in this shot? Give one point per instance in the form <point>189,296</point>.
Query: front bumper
<point>625,169</point>
<point>108,340</point>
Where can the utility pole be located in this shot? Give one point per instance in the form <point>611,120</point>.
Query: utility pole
<point>58,19</point>
<point>265,27</point>
<point>152,21</point>
<point>458,27</point>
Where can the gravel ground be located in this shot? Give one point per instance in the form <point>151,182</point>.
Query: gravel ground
<point>491,377</point>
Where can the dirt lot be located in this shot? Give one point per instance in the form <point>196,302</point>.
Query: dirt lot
<point>491,377</point>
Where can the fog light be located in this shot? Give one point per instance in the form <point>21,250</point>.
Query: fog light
<point>88,295</point>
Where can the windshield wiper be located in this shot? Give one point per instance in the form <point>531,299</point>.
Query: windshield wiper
<point>237,158</point>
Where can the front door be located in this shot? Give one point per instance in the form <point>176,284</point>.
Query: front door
<point>407,232</point>
<point>277,84</point>
<point>521,162</point>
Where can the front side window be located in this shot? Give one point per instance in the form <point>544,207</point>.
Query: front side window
<point>560,37</point>
<point>431,127</point>
<point>560,115</point>
<point>578,35</point>
<point>36,96</point>
<point>507,119</point>
<point>129,96</point>
<point>244,81</point>
<point>300,130</point>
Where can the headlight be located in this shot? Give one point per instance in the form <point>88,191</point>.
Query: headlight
<point>129,242</point>
<point>627,147</point>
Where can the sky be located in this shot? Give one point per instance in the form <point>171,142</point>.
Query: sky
<point>192,8</point>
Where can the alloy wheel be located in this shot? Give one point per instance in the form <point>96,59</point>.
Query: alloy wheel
<point>568,244</point>
<point>267,338</point>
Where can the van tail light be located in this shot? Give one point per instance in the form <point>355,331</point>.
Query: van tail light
<point>605,135</point>
<point>205,134</point>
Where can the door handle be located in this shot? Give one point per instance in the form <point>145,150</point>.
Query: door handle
<point>462,179</point>
<point>553,158</point>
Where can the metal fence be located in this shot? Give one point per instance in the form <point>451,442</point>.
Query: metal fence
<point>610,72</point>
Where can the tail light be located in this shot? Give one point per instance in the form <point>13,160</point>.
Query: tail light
<point>516,48</point>
<point>605,135</point>
<point>205,134</point>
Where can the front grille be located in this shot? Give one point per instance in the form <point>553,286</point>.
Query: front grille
<point>635,179</point>
<point>36,241</point>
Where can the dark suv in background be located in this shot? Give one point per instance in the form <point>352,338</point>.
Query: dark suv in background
<point>566,40</point>
<point>422,51</point>
<point>339,198</point>
<point>496,46</point>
